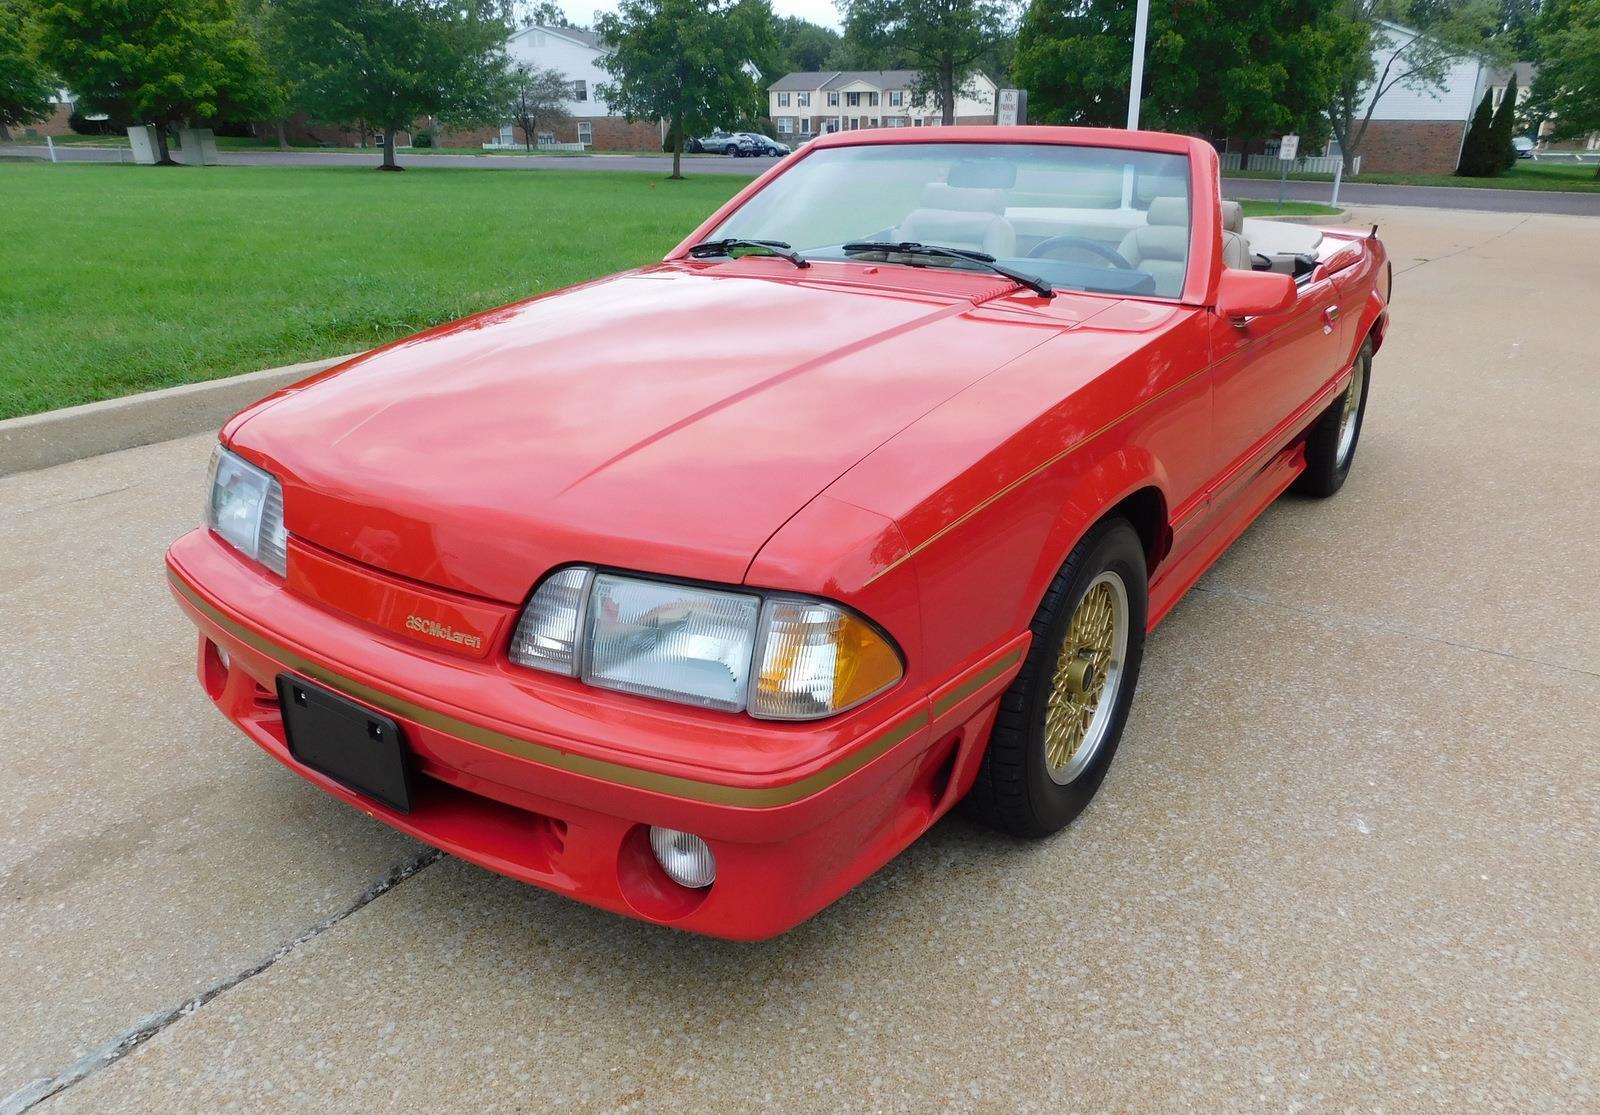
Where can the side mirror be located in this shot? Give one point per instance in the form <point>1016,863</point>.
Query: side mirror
<point>1244,294</point>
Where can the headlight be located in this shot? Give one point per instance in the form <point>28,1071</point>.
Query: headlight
<point>778,657</point>
<point>244,505</point>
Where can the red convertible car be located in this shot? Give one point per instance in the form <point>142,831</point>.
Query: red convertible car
<point>704,629</point>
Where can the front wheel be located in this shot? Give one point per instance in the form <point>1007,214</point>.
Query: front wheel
<point>730,150</point>
<point>1331,444</point>
<point>1060,722</point>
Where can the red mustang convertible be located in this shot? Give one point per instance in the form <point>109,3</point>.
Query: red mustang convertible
<point>611,592</point>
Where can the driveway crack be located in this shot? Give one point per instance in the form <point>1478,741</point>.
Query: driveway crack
<point>1467,247</point>
<point>136,1035</point>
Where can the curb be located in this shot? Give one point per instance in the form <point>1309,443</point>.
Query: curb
<point>56,436</point>
<point>1342,217</point>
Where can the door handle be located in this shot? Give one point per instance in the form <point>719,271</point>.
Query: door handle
<point>1330,314</point>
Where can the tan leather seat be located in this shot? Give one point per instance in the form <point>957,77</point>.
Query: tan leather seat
<point>1235,248</point>
<point>1161,247</point>
<point>957,217</point>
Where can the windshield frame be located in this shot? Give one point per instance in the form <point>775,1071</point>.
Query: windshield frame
<point>1205,245</point>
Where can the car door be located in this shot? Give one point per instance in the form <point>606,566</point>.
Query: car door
<point>1266,370</point>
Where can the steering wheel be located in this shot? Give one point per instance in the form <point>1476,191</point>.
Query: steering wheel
<point>1093,247</point>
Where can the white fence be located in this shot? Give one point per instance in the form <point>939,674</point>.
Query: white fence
<point>1306,164</point>
<point>496,146</point>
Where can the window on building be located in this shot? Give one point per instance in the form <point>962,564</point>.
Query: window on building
<point>580,90</point>
<point>897,98</point>
<point>833,100</point>
<point>872,98</point>
<point>783,100</point>
<point>873,123</point>
<point>803,100</point>
<point>896,121</point>
<point>853,100</point>
<point>585,133</point>
<point>785,125</point>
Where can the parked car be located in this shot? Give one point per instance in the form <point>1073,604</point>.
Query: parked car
<point>1523,146</point>
<point>765,145</point>
<point>724,143</point>
<point>703,630</point>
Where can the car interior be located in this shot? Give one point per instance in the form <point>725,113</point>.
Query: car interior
<point>1096,219</point>
<point>979,208</point>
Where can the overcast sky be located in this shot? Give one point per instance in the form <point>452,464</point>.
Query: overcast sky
<point>817,11</point>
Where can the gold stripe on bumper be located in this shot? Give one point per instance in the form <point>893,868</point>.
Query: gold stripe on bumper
<point>712,792</point>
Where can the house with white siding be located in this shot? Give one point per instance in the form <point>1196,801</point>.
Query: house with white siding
<point>805,104</point>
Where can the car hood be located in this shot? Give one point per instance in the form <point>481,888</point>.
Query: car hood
<point>667,420</point>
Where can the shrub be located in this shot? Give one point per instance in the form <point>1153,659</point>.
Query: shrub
<point>1480,158</point>
<point>422,139</point>
<point>1505,126</point>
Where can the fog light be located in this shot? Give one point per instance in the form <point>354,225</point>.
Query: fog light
<point>684,857</point>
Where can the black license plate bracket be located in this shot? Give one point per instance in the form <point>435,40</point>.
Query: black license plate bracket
<point>346,741</point>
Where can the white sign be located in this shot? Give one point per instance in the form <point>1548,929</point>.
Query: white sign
<point>1288,148</point>
<point>1013,107</point>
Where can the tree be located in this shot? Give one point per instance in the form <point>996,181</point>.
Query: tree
<point>1431,35</point>
<point>1479,156</point>
<point>161,62</point>
<point>692,63</point>
<point>276,85</point>
<point>26,90</point>
<point>1213,67</point>
<point>1566,90</point>
<point>941,39</point>
<point>1504,127</point>
<point>541,98</point>
<point>387,62</point>
<point>803,46</point>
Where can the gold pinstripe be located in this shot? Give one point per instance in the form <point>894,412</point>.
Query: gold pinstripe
<point>619,773</point>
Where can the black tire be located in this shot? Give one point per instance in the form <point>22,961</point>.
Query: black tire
<point>1014,791</point>
<point>1326,468</point>
<point>730,150</point>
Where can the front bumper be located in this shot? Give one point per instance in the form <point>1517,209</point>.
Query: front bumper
<point>558,802</point>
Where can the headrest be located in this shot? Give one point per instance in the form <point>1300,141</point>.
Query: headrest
<point>983,174</point>
<point>1233,217</point>
<point>1168,211</point>
<point>937,195</point>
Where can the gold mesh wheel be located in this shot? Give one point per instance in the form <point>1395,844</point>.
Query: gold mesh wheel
<point>1088,675</point>
<point>1350,414</point>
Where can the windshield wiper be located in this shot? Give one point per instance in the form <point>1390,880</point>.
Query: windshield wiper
<point>772,247</point>
<point>1033,282</point>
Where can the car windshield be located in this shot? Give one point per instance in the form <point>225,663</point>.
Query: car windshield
<point>1081,218</point>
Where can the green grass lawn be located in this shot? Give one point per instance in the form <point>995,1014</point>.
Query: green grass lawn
<point>119,278</point>
<point>1254,208</point>
<point>1526,175</point>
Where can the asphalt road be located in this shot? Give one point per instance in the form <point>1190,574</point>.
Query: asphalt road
<point>1345,858</point>
<point>1351,193</point>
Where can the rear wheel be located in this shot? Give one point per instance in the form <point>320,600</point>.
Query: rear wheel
<point>1331,444</point>
<point>1061,720</point>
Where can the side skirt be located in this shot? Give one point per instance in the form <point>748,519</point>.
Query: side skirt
<point>1267,485</point>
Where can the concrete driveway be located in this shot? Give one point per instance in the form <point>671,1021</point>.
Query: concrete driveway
<point>1347,856</point>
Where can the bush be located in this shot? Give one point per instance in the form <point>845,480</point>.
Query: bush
<point>1480,157</point>
<point>422,139</point>
<point>1505,127</point>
